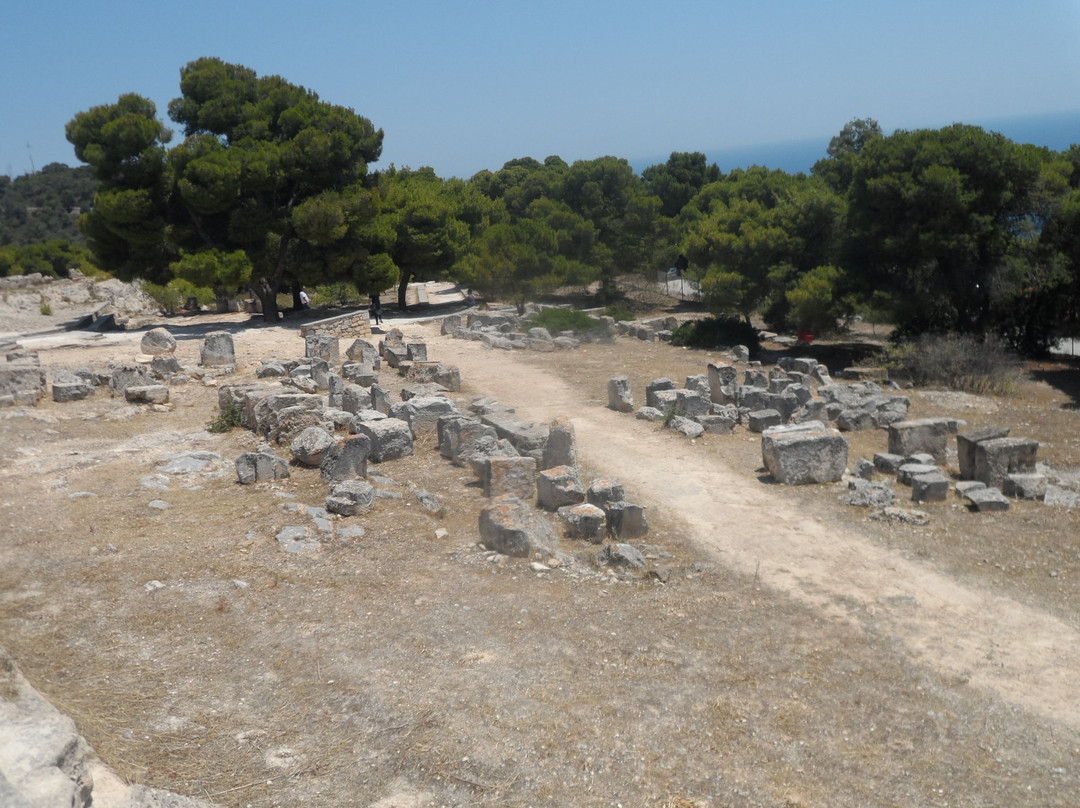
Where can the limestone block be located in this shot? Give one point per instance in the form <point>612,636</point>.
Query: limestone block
<point>620,554</point>
<point>218,350</point>
<point>157,341</point>
<point>987,500</point>
<point>147,394</point>
<point>603,491</point>
<point>526,437</point>
<point>584,521</point>
<point>619,396</point>
<point>753,398</point>
<point>560,448</point>
<point>966,443</point>
<point>391,438</point>
<point>557,487</point>
<point>126,376</point>
<point>806,453</point>
<point>355,398</point>
<point>998,457</point>
<point>930,487</point>
<point>851,420</point>
<point>257,467</point>
<point>510,475</point>
<point>723,379</point>
<point>360,374</point>
<point>626,519</point>
<point>1019,485</point>
<point>929,435</point>
<point>323,346</point>
<point>654,387</point>
<point>308,447</point>
<point>649,414</point>
<point>335,389</point>
<point>351,497</point>
<point>686,426</point>
<point>363,352</point>
<point>718,424</point>
<point>421,413</point>
<point>888,463</point>
<point>457,435</point>
<point>509,525</point>
<point>909,471</point>
<point>760,420</point>
<point>345,459</point>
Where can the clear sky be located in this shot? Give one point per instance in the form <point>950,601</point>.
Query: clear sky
<point>467,85</point>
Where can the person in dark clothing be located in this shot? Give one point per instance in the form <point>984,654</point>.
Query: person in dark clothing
<point>375,309</point>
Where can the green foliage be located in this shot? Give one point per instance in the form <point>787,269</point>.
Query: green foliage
<point>54,258</point>
<point>961,362</point>
<point>814,303</point>
<point>266,170</point>
<point>45,308</point>
<point>336,294</point>
<point>45,206</point>
<point>229,418</point>
<point>173,296</point>
<point>557,320</point>
<point>717,332</point>
<point>620,312</point>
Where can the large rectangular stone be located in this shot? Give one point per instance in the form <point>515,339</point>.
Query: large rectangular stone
<point>966,443</point>
<point>929,435</point>
<point>998,457</point>
<point>806,453</point>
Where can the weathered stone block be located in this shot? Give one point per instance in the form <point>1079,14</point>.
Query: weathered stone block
<point>510,475</point>
<point>157,342</point>
<point>654,387</point>
<point>584,521</point>
<point>1024,486</point>
<point>351,497</point>
<point>626,519</point>
<point>308,447</point>
<point>966,443</point>
<point>345,459</point>
<point>391,438</point>
<point>928,435</point>
<point>147,394</point>
<point>509,525</point>
<point>723,379</point>
<point>998,457</point>
<point>619,396</point>
<point>423,412</point>
<point>257,467</point>
<point>218,350</point>
<point>930,487</point>
<point>322,346</point>
<point>559,486</point>
<point>603,491</point>
<point>806,453</point>
<point>987,499</point>
<point>760,420</point>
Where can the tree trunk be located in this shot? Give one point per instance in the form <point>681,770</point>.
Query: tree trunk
<point>267,295</point>
<point>403,288</point>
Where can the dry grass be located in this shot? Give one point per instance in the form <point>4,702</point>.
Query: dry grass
<point>398,663</point>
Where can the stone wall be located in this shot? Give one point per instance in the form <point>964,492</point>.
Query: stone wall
<point>354,324</point>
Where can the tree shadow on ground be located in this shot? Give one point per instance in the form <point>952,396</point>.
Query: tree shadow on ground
<point>1064,375</point>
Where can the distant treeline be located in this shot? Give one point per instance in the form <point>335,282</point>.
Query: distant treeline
<point>948,230</point>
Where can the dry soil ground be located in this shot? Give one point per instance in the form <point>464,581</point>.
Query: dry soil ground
<point>800,654</point>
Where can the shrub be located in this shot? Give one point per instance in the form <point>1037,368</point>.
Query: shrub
<point>620,312</point>
<point>227,419</point>
<point>336,294</point>
<point>170,300</point>
<point>717,332</point>
<point>556,320</point>
<point>956,361</point>
<point>45,308</point>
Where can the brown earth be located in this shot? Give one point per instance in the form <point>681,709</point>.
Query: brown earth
<point>800,654</point>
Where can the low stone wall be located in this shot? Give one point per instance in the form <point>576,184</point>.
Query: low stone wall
<point>354,324</point>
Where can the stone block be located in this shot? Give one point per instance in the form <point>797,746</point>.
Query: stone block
<point>422,413</point>
<point>510,526</point>
<point>718,424</point>
<point>345,459</point>
<point>723,380</point>
<point>966,443</point>
<point>559,486</point>
<point>987,500</point>
<point>147,394</point>
<point>157,342</point>
<point>619,396</point>
<point>930,487</point>
<point>1019,485</point>
<point>355,398</point>
<point>257,467</point>
<point>603,491</point>
<point>510,475</point>
<point>928,435</point>
<point>351,497</point>
<point>308,447</point>
<point>323,346</point>
<point>560,448</point>
<point>218,350</point>
<point>760,420</point>
<point>908,471</point>
<point>626,520</point>
<point>584,521</point>
<point>654,387</point>
<point>997,457</point>
<point>391,438</point>
<point>360,374</point>
<point>803,454</point>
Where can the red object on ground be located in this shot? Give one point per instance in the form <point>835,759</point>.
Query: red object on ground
<point>805,336</point>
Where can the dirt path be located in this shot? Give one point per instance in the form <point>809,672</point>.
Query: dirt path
<point>1021,654</point>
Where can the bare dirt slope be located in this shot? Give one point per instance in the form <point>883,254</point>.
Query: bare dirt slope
<point>797,656</point>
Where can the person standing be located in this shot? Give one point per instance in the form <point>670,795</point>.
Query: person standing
<point>305,299</point>
<point>375,309</point>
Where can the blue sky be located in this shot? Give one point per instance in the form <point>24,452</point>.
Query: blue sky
<point>463,86</point>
